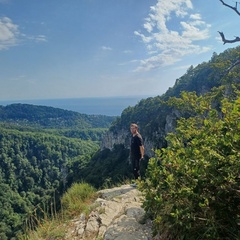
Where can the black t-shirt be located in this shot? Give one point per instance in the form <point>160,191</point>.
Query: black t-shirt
<point>136,142</point>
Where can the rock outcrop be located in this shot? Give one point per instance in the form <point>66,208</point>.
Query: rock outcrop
<point>118,215</point>
<point>111,138</point>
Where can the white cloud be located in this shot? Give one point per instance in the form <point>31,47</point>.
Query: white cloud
<point>127,51</point>
<point>144,38</point>
<point>106,48</point>
<point>196,16</point>
<point>8,33</point>
<point>170,32</point>
<point>39,38</point>
<point>148,25</point>
<point>192,32</point>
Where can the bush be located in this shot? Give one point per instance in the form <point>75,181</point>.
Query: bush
<point>192,187</point>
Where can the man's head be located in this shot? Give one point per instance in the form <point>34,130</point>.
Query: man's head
<point>134,128</point>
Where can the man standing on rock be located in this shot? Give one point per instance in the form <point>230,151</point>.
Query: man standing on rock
<point>136,151</point>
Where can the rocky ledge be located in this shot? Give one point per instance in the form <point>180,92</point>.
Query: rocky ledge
<point>118,215</point>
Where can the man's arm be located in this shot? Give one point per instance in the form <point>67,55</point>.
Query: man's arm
<point>142,151</point>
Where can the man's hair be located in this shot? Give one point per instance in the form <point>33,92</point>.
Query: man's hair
<point>134,125</point>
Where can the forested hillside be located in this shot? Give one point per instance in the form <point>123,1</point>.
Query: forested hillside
<point>42,150</point>
<point>27,117</point>
<point>49,117</point>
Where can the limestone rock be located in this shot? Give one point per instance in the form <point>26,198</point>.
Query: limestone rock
<point>117,217</point>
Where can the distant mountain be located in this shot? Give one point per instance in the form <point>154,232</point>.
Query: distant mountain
<point>109,106</point>
<point>50,117</point>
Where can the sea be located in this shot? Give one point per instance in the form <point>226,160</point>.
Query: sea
<point>109,106</point>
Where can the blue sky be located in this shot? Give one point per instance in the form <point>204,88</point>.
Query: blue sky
<point>101,48</point>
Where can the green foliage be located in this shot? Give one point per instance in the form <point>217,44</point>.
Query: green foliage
<point>108,167</point>
<point>192,186</point>
<point>93,134</point>
<point>34,168</point>
<point>12,208</point>
<point>76,200</point>
<point>205,76</point>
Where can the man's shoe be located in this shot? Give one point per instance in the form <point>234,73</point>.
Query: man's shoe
<point>133,185</point>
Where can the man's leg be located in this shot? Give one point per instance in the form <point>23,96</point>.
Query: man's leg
<point>136,169</point>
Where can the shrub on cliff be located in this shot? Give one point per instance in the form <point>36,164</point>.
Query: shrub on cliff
<point>192,186</point>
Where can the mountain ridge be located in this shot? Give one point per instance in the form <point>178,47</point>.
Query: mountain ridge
<point>47,117</point>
